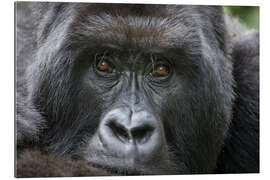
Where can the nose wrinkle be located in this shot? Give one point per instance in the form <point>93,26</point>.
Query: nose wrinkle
<point>134,90</point>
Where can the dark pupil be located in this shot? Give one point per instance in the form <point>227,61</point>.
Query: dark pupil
<point>160,70</point>
<point>105,66</point>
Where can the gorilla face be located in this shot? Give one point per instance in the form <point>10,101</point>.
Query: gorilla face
<point>132,90</point>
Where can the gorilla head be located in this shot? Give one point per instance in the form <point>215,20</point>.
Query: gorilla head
<point>143,89</point>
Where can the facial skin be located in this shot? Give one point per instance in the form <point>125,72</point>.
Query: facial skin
<point>133,86</point>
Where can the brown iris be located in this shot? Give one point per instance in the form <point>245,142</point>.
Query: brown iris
<point>160,70</point>
<point>105,66</point>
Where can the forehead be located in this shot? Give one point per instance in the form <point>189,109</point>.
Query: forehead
<point>126,26</point>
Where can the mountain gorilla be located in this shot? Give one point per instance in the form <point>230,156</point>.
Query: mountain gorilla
<point>121,89</point>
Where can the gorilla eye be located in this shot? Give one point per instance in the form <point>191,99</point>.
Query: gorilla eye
<point>160,70</point>
<point>105,66</point>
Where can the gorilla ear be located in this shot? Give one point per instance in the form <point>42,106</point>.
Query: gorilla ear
<point>241,148</point>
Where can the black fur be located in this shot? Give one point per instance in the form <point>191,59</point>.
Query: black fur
<point>244,131</point>
<point>207,113</point>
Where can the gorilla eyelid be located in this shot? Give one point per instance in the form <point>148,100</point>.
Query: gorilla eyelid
<point>160,66</point>
<point>103,63</point>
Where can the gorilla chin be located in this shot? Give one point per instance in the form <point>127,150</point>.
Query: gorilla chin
<point>133,89</point>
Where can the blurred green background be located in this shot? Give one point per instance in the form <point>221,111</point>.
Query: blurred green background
<point>248,15</point>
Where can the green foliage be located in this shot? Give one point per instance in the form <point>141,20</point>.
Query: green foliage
<point>248,15</point>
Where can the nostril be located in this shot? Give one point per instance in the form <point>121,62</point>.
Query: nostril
<point>142,134</point>
<point>119,131</point>
<point>139,134</point>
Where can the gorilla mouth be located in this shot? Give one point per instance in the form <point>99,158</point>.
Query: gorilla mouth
<point>117,170</point>
<point>116,165</point>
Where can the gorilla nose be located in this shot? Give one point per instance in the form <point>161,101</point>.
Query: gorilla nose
<point>127,134</point>
<point>122,130</point>
<point>132,136</point>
